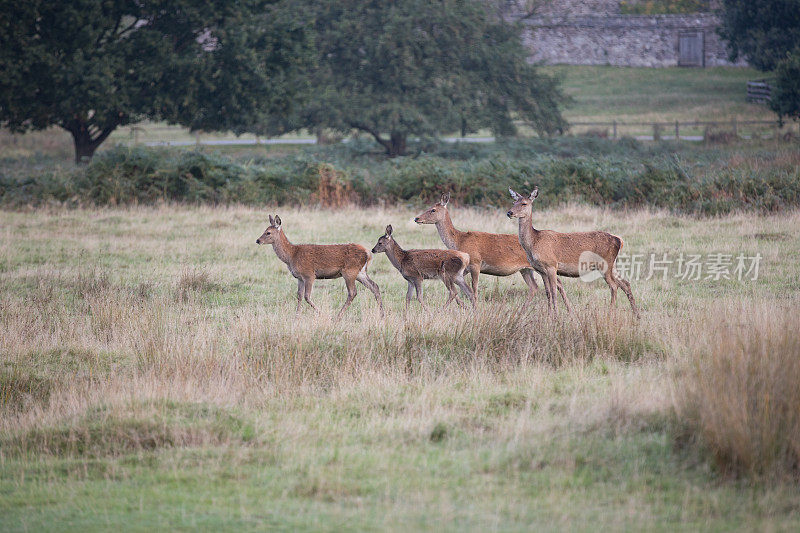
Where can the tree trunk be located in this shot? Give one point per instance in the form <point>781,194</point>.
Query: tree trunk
<point>85,143</point>
<point>397,144</point>
<point>84,149</point>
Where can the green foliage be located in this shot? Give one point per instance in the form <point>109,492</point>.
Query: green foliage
<point>594,171</point>
<point>762,32</point>
<point>424,68</point>
<point>786,88</point>
<point>90,66</point>
<point>662,7</point>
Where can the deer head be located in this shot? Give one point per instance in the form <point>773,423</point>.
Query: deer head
<point>383,241</point>
<point>270,234</point>
<point>435,213</point>
<point>523,205</point>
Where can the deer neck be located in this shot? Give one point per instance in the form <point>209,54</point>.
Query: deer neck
<point>527,233</point>
<point>395,254</point>
<point>283,248</point>
<point>449,234</point>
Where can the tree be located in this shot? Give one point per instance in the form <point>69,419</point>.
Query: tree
<point>393,69</point>
<point>767,33</point>
<point>91,66</point>
<point>762,31</point>
<point>785,99</point>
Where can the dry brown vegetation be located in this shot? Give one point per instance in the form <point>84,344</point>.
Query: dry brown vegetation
<point>138,334</point>
<point>738,393</point>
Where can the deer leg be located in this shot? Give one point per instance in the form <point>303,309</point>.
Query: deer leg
<point>563,295</point>
<point>409,293</point>
<point>626,288</point>
<point>350,283</point>
<point>309,286</point>
<point>527,275</point>
<point>418,287</point>
<point>474,272</point>
<point>612,284</point>
<point>371,285</point>
<point>546,283</point>
<point>300,291</point>
<point>552,280</point>
<point>465,288</point>
<point>452,294</point>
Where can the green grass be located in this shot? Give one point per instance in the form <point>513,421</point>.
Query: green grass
<point>161,380</point>
<point>658,94</point>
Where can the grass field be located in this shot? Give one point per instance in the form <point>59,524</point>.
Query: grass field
<point>154,375</point>
<point>658,94</point>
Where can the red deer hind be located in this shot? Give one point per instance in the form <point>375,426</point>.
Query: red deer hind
<point>495,254</point>
<point>555,254</point>
<point>309,262</point>
<point>418,265</point>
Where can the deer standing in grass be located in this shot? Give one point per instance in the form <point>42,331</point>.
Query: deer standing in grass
<point>496,254</point>
<point>309,262</point>
<point>555,254</point>
<point>418,265</point>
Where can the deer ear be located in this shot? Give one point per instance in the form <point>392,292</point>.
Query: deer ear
<point>277,221</point>
<point>445,199</point>
<point>389,229</point>
<point>535,192</point>
<point>514,195</point>
<point>271,221</point>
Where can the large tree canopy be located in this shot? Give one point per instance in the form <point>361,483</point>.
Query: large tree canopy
<point>767,33</point>
<point>763,31</point>
<point>786,91</point>
<point>423,67</point>
<point>91,66</point>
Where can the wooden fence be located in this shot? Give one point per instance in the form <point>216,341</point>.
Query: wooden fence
<point>759,91</point>
<point>667,130</point>
<point>685,130</point>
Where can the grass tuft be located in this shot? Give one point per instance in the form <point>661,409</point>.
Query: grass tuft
<point>193,282</point>
<point>140,427</point>
<point>739,397</point>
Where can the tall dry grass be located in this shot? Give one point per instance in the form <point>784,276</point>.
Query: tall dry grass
<point>738,393</point>
<point>111,318</point>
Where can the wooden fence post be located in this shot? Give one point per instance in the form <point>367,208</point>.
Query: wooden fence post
<point>677,131</point>
<point>656,131</point>
<point>615,129</point>
<point>735,127</point>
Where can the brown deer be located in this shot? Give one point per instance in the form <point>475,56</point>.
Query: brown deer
<point>418,265</point>
<point>555,254</point>
<point>496,254</point>
<point>309,262</point>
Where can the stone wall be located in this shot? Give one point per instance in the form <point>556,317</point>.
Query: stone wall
<point>593,32</point>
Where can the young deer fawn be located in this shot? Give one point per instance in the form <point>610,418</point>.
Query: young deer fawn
<point>567,254</point>
<point>417,265</point>
<point>496,254</point>
<point>308,262</point>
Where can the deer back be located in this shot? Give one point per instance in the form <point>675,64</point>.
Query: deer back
<point>329,260</point>
<point>428,263</point>
<point>566,248</point>
<point>495,249</point>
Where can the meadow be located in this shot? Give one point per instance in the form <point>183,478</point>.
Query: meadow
<point>154,375</point>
